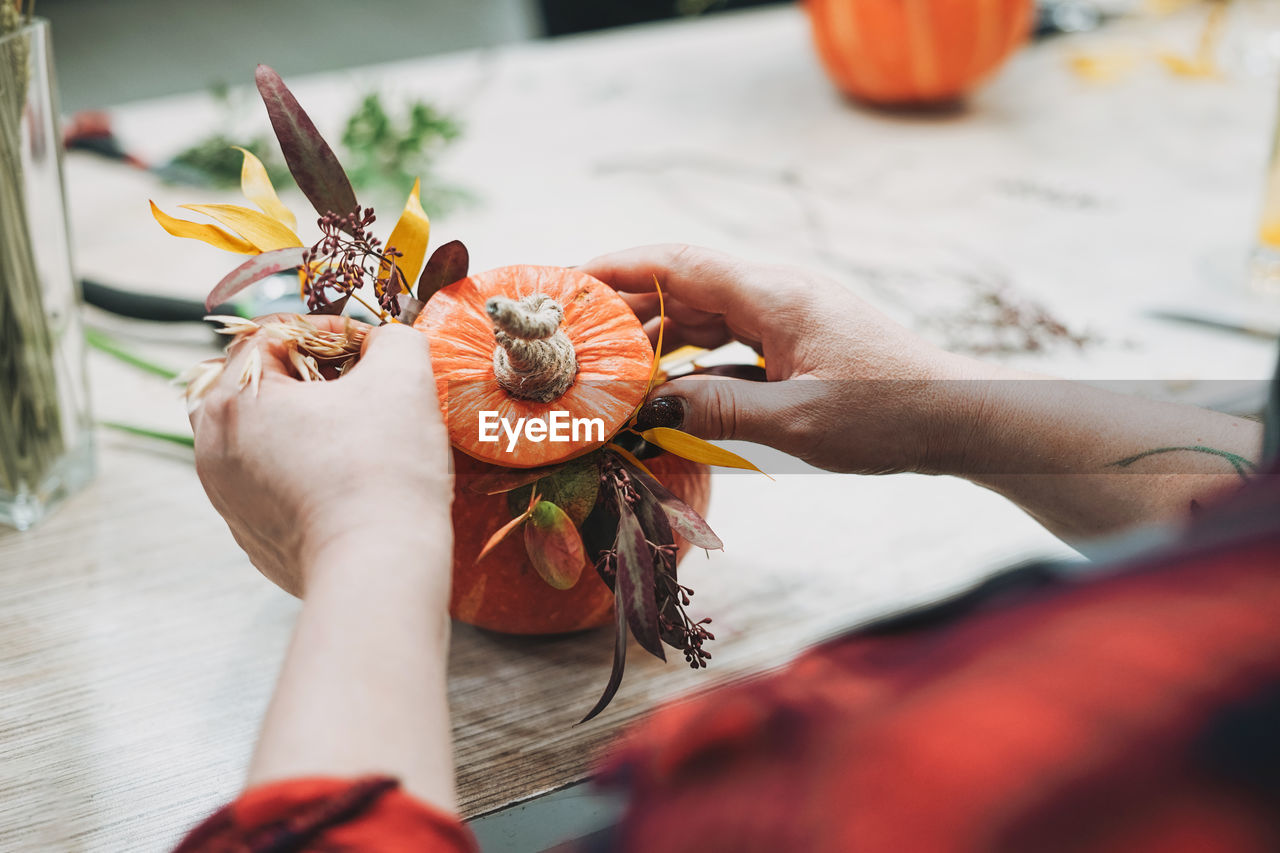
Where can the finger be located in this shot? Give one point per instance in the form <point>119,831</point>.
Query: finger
<point>279,337</point>
<point>266,336</point>
<point>322,322</point>
<point>643,305</point>
<point>646,306</point>
<point>719,408</point>
<point>675,335</point>
<point>702,279</point>
<point>396,348</point>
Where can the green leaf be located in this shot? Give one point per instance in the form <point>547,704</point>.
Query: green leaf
<point>447,264</point>
<point>554,545</point>
<point>387,150</point>
<point>574,486</point>
<point>109,345</point>
<point>312,162</point>
<point>143,432</point>
<point>255,269</point>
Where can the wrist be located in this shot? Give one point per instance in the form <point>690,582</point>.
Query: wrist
<point>403,543</point>
<point>963,407</point>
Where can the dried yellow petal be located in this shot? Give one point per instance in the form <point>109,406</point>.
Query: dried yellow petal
<point>264,232</point>
<point>696,449</point>
<point>210,234</point>
<point>409,237</point>
<point>255,183</point>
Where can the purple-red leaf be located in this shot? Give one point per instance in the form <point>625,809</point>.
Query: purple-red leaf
<point>334,308</point>
<point>636,582</point>
<point>684,519</point>
<point>619,657</point>
<point>255,269</point>
<point>314,166</point>
<point>509,479</point>
<point>447,264</point>
<point>554,546</point>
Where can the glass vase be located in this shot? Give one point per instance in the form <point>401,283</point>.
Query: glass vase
<point>46,450</point>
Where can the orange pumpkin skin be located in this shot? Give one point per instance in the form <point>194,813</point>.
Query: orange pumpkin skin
<point>905,52</point>
<point>503,592</point>
<point>613,353</point>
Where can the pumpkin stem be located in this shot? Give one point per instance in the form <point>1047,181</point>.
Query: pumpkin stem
<point>534,359</point>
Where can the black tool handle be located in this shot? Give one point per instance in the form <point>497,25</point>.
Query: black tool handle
<point>146,306</point>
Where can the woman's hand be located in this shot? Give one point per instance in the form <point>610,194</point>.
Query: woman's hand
<point>886,400</point>
<point>303,471</point>
<point>340,490</point>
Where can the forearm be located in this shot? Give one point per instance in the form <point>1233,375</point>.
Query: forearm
<point>1087,462</point>
<point>363,687</point>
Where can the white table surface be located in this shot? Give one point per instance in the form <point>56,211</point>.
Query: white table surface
<point>138,647</point>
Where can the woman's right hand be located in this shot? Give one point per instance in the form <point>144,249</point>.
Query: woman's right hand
<point>884,400</point>
<point>305,472</point>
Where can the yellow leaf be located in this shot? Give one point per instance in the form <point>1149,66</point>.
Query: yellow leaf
<point>409,237</point>
<point>657,355</point>
<point>662,321</point>
<point>691,447</point>
<point>680,357</point>
<point>1269,235</point>
<point>1103,66</point>
<point>264,232</point>
<point>630,457</point>
<point>1196,67</point>
<point>210,234</point>
<point>256,186</point>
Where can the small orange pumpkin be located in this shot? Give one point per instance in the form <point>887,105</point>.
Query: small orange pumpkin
<point>523,342</point>
<point>903,52</point>
<point>566,342</point>
<point>502,592</point>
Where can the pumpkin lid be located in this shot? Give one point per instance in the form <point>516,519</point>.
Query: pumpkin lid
<point>543,344</point>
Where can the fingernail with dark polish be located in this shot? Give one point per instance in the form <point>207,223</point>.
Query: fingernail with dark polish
<point>661,412</point>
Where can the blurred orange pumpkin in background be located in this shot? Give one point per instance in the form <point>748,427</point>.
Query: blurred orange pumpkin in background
<point>915,52</point>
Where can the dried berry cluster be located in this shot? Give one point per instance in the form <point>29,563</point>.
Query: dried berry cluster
<point>619,489</point>
<point>344,258</point>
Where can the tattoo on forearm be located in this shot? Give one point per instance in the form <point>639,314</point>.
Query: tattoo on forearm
<point>1243,466</point>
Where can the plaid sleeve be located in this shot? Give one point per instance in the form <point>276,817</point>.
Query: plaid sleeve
<point>315,815</point>
<point>1134,710</point>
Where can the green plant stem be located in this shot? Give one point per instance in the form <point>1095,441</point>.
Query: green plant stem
<point>104,343</point>
<point>144,432</point>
